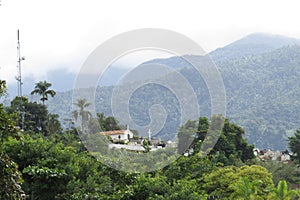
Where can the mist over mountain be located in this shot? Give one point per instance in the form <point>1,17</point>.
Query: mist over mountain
<point>253,44</point>
<point>261,77</point>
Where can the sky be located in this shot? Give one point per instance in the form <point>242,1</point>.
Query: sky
<point>60,34</point>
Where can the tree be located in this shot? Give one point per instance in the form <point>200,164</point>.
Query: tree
<point>42,88</point>
<point>47,167</point>
<point>222,182</point>
<point>34,115</point>
<point>157,187</point>
<point>294,144</point>
<point>232,144</point>
<point>53,124</point>
<point>245,189</point>
<point>280,170</point>
<point>85,115</point>
<point>10,177</point>
<point>2,87</point>
<point>111,124</point>
<point>101,120</point>
<point>282,192</point>
<point>203,127</point>
<point>185,135</point>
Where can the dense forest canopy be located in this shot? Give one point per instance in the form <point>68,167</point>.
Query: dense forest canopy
<point>43,161</point>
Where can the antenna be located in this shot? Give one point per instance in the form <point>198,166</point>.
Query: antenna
<point>19,76</point>
<point>19,79</point>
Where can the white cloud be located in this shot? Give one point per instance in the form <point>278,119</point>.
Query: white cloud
<point>61,33</point>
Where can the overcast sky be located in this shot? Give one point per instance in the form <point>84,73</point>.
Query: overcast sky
<point>58,34</point>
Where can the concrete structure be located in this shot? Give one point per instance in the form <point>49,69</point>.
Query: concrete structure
<point>127,147</point>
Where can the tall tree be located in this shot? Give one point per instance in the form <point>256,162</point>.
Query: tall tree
<point>42,88</point>
<point>84,114</point>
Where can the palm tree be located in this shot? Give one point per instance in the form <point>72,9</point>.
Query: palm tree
<point>85,115</point>
<point>282,192</point>
<point>42,88</point>
<point>245,189</point>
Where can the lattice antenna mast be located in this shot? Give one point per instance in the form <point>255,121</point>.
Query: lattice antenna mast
<point>19,79</point>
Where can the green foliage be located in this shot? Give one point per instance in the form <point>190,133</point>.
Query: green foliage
<point>258,90</point>
<point>110,123</point>
<point>223,181</point>
<point>53,125</point>
<point>42,88</point>
<point>232,144</point>
<point>203,126</point>
<point>7,126</point>
<point>282,192</point>
<point>46,166</point>
<point>283,171</point>
<point>10,177</point>
<point>245,189</point>
<point>294,144</point>
<point>32,117</point>
<point>3,88</point>
<point>186,135</point>
<point>193,167</point>
<point>157,187</point>
<point>56,165</point>
<point>146,145</point>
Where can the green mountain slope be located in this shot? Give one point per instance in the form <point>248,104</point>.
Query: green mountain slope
<point>263,93</point>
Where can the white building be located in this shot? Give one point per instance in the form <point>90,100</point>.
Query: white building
<point>117,135</point>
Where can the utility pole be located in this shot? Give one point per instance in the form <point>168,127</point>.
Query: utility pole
<point>19,80</point>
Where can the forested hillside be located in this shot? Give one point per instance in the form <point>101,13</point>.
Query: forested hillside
<point>262,94</point>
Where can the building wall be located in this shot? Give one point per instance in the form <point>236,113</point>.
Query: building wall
<point>127,134</point>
